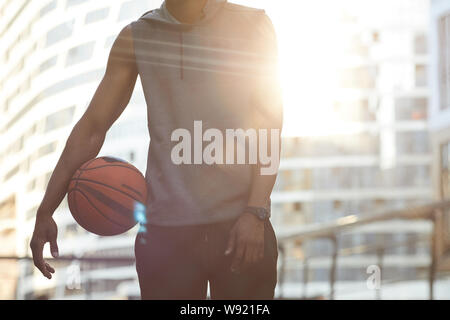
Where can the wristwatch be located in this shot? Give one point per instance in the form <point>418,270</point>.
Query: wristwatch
<point>260,212</point>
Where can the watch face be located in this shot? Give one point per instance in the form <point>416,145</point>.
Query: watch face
<point>262,213</point>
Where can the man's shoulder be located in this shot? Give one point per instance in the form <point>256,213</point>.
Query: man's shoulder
<point>142,22</point>
<point>148,13</point>
<point>249,17</point>
<point>238,8</point>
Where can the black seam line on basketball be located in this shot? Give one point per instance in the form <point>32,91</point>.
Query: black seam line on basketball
<point>79,175</point>
<point>107,201</point>
<point>110,187</point>
<point>112,159</point>
<point>87,164</point>
<point>98,210</point>
<point>113,165</point>
<point>132,189</point>
<point>74,201</point>
<point>76,183</point>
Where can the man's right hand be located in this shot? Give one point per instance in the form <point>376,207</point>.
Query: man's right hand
<point>45,231</point>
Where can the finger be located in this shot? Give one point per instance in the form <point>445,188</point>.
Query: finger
<point>38,259</point>
<point>231,243</point>
<point>54,247</point>
<point>49,268</point>
<point>261,252</point>
<point>238,256</point>
<point>250,255</point>
<point>257,255</point>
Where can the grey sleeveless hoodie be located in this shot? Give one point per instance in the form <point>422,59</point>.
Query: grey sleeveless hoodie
<point>220,71</point>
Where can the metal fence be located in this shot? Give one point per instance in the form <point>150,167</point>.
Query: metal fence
<point>433,212</point>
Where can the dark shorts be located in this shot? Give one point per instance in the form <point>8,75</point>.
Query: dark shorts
<point>177,263</point>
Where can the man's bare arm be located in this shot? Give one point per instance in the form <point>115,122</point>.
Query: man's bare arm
<point>86,140</point>
<point>246,240</point>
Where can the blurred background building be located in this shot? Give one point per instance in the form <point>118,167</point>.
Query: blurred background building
<point>53,55</point>
<point>357,91</point>
<point>439,118</point>
<point>374,156</point>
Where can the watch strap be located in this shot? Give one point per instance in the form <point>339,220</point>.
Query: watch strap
<point>261,212</point>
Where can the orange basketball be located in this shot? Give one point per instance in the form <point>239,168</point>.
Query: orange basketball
<point>103,194</point>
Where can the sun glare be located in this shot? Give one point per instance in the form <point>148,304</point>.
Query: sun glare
<point>309,55</point>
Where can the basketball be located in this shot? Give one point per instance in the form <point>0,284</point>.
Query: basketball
<point>103,194</point>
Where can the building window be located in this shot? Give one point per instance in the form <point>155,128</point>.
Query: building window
<point>48,64</point>
<point>49,7</point>
<point>420,44</point>
<point>96,15</point>
<point>298,206</point>
<point>71,83</point>
<point>8,208</point>
<point>11,173</point>
<point>47,149</point>
<point>59,33</point>
<point>80,53</point>
<point>59,119</point>
<point>444,61</point>
<point>376,36</point>
<point>411,109</point>
<point>412,142</point>
<point>74,2</point>
<point>421,76</point>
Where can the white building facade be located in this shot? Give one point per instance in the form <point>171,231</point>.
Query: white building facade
<point>53,55</point>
